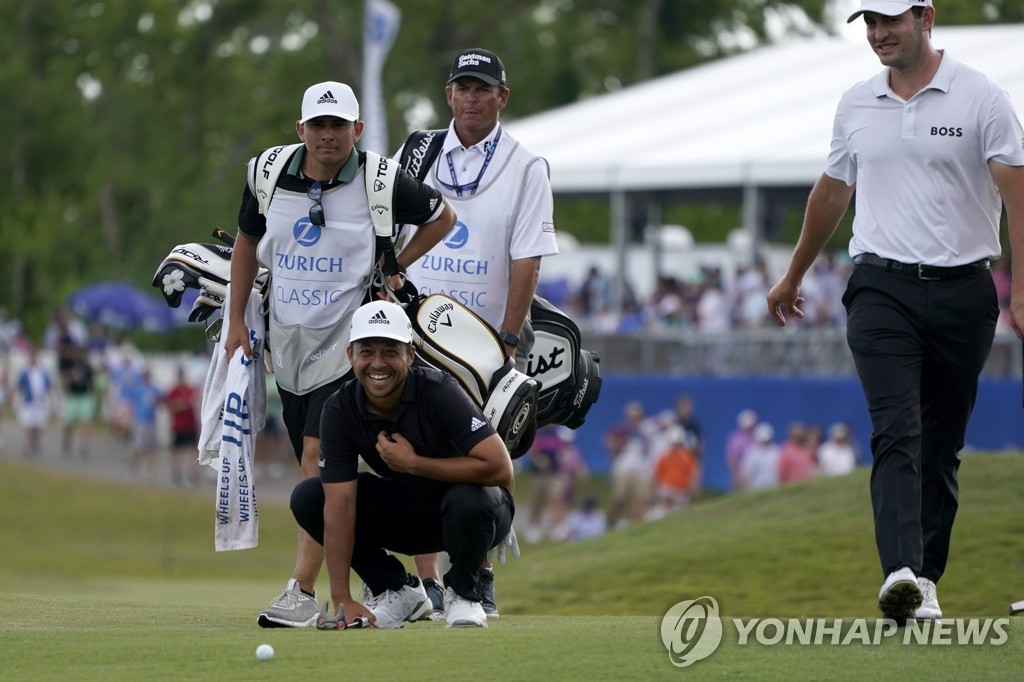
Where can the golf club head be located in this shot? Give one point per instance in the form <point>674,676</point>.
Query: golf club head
<point>325,621</point>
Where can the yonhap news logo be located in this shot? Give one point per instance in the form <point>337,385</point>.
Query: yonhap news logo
<point>692,630</point>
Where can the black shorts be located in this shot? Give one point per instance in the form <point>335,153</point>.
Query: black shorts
<point>301,413</point>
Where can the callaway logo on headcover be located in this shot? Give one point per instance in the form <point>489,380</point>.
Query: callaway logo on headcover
<point>327,98</point>
<point>379,318</point>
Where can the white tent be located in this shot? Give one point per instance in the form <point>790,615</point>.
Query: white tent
<point>760,119</point>
<point>753,129</point>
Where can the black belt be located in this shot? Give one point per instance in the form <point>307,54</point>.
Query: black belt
<point>920,270</point>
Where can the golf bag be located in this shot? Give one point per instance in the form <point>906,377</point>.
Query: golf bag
<point>570,375</point>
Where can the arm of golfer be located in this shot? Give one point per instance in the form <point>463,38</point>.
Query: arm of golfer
<point>488,463</point>
<point>339,538</point>
<point>1010,183</point>
<point>828,202</point>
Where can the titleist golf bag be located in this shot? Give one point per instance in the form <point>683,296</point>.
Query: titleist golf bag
<point>562,379</point>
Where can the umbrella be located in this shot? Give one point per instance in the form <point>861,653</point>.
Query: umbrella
<point>122,305</point>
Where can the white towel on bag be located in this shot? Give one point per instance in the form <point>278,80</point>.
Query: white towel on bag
<point>233,412</point>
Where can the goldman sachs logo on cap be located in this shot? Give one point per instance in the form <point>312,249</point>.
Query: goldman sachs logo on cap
<point>327,98</point>
<point>473,59</point>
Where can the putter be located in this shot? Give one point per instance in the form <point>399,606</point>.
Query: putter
<point>1017,608</point>
<point>329,622</point>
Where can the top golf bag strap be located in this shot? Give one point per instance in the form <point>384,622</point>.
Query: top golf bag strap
<point>420,150</point>
<point>570,376</point>
<point>452,338</point>
<point>264,170</point>
<point>380,174</point>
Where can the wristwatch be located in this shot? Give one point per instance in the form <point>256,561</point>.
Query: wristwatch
<point>509,339</point>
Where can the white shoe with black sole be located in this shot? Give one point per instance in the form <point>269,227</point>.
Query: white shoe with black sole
<point>900,596</point>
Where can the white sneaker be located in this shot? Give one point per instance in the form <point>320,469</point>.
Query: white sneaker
<point>393,608</point>
<point>366,596</point>
<point>900,595</point>
<point>929,608</point>
<point>293,609</point>
<point>462,613</point>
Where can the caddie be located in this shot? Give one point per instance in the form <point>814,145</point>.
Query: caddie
<point>305,216</point>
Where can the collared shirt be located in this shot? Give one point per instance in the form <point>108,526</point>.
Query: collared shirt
<point>467,161</point>
<point>434,414</point>
<point>345,174</point>
<point>925,193</point>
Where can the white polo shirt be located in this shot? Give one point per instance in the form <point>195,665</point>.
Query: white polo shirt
<point>508,217</point>
<point>925,193</point>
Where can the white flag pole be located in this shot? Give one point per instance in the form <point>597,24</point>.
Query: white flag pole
<point>380,26</point>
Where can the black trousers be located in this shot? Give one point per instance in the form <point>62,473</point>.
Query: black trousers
<point>463,520</point>
<point>919,347</point>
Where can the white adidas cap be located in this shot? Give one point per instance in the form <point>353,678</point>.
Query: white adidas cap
<point>380,320</point>
<point>889,8</point>
<point>330,98</point>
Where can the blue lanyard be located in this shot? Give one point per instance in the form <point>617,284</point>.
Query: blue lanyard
<point>472,186</point>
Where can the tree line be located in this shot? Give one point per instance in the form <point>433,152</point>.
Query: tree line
<point>127,125</point>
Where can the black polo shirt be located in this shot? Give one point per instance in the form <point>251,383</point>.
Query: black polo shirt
<point>434,414</point>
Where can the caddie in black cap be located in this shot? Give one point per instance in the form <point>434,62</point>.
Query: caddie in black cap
<point>478,63</point>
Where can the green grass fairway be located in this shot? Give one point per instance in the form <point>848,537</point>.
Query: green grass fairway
<point>103,581</point>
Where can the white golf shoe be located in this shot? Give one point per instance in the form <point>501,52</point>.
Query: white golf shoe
<point>462,613</point>
<point>929,608</point>
<point>392,608</point>
<point>900,595</point>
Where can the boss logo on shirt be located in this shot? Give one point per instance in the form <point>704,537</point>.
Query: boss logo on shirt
<point>947,132</point>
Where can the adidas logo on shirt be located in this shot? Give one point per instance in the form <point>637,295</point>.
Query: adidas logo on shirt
<point>475,424</point>
<point>379,318</point>
<point>327,98</point>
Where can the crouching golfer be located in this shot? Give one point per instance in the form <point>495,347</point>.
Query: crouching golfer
<point>442,480</point>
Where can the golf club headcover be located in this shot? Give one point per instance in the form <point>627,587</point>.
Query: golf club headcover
<point>207,265</point>
<point>453,338</point>
<point>456,340</point>
<point>511,408</point>
<point>206,303</point>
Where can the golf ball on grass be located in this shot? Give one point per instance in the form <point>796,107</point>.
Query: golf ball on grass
<point>264,652</point>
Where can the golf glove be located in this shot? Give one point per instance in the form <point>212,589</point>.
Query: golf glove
<point>510,541</point>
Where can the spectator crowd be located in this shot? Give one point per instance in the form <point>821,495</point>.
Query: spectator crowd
<point>656,467</point>
<point>716,301</point>
<point>80,378</point>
